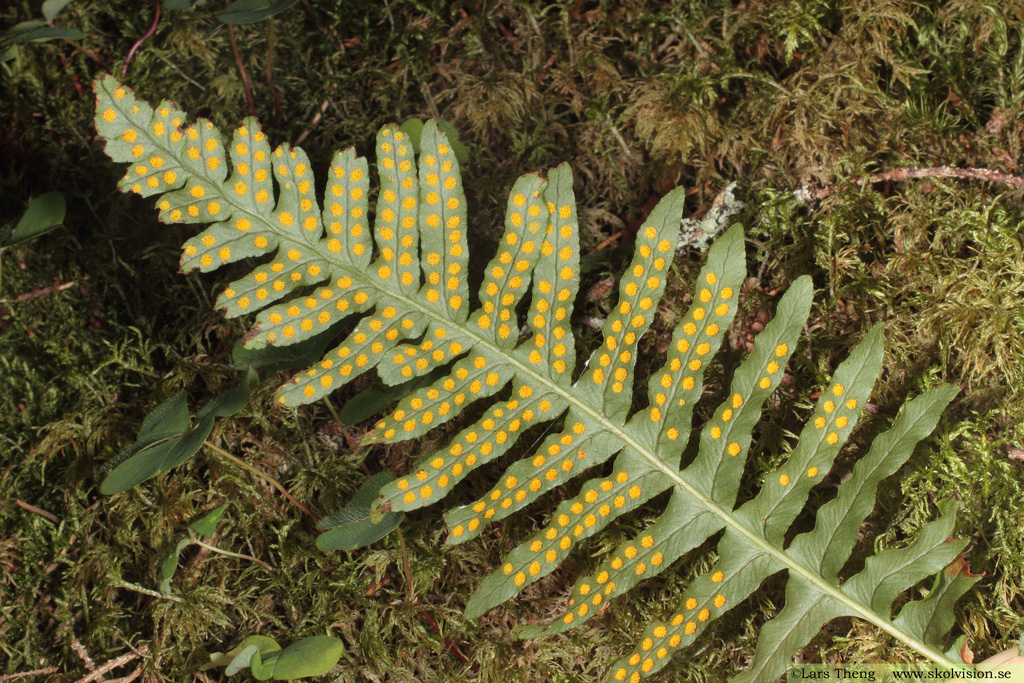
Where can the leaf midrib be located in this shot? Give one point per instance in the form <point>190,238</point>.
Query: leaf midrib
<point>680,481</point>
<point>521,369</point>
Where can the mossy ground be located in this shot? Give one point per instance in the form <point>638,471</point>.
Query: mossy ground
<point>638,96</point>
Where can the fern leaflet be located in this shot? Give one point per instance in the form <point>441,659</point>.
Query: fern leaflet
<point>319,264</point>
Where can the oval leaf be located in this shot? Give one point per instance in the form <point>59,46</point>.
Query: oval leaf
<point>52,8</point>
<point>150,462</point>
<point>353,527</point>
<point>41,34</point>
<point>232,400</point>
<point>207,526</point>
<point>45,213</point>
<point>312,656</point>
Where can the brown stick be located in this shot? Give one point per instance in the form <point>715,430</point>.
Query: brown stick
<point>112,664</point>
<point>241,70</point>
<point>39,511</point>
<point>43,291</point>
<point>315,120</point>
<point>914,172</point>
<point>34,672</point>
<point>80,650</point>
<point>610,240</point>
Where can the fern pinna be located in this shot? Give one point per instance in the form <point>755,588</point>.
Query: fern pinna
<point>406,280</point>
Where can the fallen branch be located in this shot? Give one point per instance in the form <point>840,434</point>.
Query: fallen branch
<point>42,291</point>
<point>39,511</point>
<point>83,654</point>
<point>34,672</point>
<point>914,173</point>
<point>112,664</point>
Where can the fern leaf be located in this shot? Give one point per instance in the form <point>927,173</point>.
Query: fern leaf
<point>717,468</point>
<point>405,281</point>
<point>931,617</point>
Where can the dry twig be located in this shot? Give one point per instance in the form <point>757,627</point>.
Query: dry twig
<point>113,664</point>
<point>914,173</point>
<point>39,511</point>
<point>43,291</point>
<point>34,672</point>
<point>82,653</point>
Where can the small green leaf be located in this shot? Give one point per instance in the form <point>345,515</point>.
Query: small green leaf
<point>216,659</point>
<point>265,644</point>
<point>354,526</point>
<point>23,26</point>
<point>52,8</point>
<point>240,657</point>
<point>44,213</point>
<point>271,359</point>
<point>232,400</point>
<point>242,660</point>
<point>366,404</point>
<point>262,671</point>
<point>248,11</point>
<point>170,565</point>
<point>362,501</point>
<point>149,462</point>
<point>41,34</point>
<point>207,526</point>
<point>168,438</point>
<point>460,150</point>
<point>312,656</point>
<point>170,417</point>
<point>167,421</point>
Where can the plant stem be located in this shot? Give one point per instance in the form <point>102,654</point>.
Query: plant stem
<point>26,674</point>
<point>334,412</point>
<point>227,553</point>
<point>145,591</point>
<point>241,70</point>
<point>138,43</point>
<point>405,566</point>
<point>263,475</point>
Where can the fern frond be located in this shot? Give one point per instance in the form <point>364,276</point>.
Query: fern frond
<point>406,280</point>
